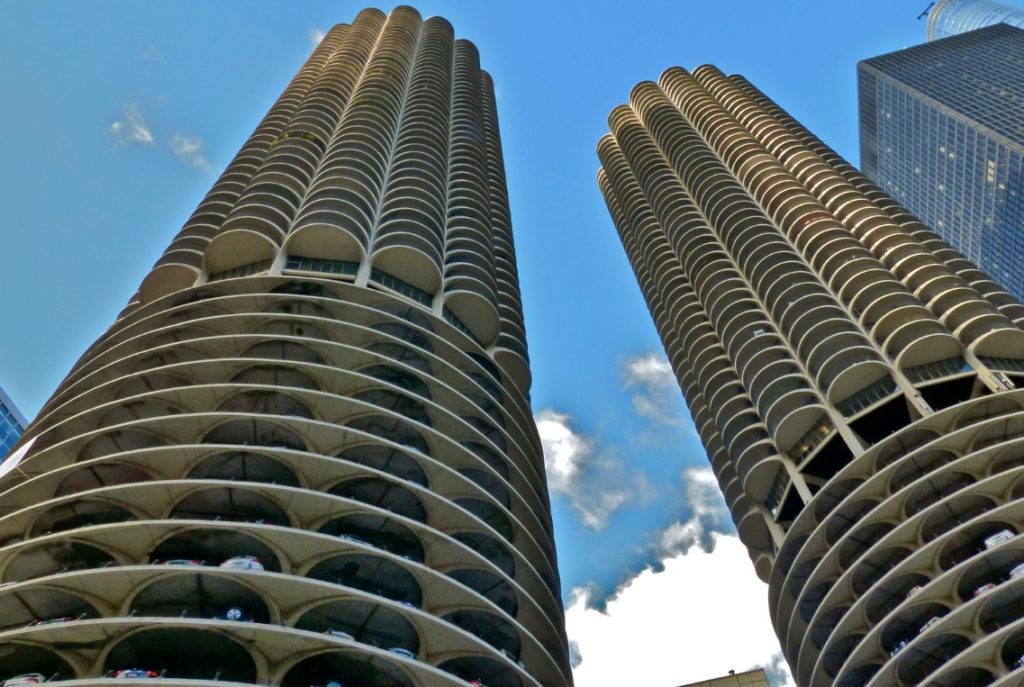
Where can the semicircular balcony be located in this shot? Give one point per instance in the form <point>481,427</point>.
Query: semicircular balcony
<point>232,249</point>
<point>364,622</point>
<point>21,659</point>
<point>183,653</point>
<point>200,595</point>
<point>346,667</point>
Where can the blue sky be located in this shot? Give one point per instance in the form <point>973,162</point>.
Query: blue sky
<point>120,114</point>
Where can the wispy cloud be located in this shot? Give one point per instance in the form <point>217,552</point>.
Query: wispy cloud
<point>316,35</point>
<point>132,127</point>
<point>703,574</point>
<point>188,148</point>
<point>656,391</point>
<point>597,483</point>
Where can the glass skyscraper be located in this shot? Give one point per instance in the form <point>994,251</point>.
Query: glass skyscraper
<point>12,424</point>
<point>942,131</point>
<point>950,17</point>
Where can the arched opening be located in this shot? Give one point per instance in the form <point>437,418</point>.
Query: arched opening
<point>296,328</point>
<point>100,475</point>
<point>283,350</point>
<point>195,595</point>
<point>891,594</point>
<point>254,432</point>
<point>490,514</point>
<point>275,375</point>
<point>1003,607</point>
<point>861,540</point>
<point>185,653</point>
<point>83,512</point>
<point>919,466</point>
<point>244,466</point>
<point>964,677</point>
<point>397,403</point>
<point>40,606</point>
<point>485,670</point>
<point>265,402</point>
<point>392,429</point>
<point>365,622</point>
<point>972,540</point>
<point>386,459</point>
<point>955,511</point>
<point>213,547</point>
<point>304,288</point>
<point>129,439</point>
<point>346,668</point>
<point>371,574</point>
<point>17,659</point>
<point>489,456</point>
<point>382,494</point>
<point>928,655</point>
<point>490,628</point>
<point>490,586</point>
<point>377,531</point>
<point>400,378</point>
<point>55,557</point>
<point>232,505</point>
<point>489,483</point>
<point>130,411</point>
<point>491,549</point>
<point>403,354</point>
<point>875,565</point>
<point>488,430</point>
<point>935,488</point>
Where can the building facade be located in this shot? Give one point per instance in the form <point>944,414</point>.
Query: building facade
<point>304,453</point>
<point>12,424</point>
<point>748,678</point>
<point>950,17</point>
<point>942,131</point>
<point>857,383</point>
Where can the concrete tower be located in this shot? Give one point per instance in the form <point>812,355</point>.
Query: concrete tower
<point>303,454</point>
<point>853,378</point>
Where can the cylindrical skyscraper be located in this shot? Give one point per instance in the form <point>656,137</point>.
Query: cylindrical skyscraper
<point>950,17</point>
<point>854,380</point>
<point>304,454</point>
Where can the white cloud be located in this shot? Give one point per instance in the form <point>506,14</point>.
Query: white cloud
<point>316,35</point>
<point>188,148</point>
<point>132,128</point>
<point>596,483</point>
<point>656,396</point>
<point>698,614</point>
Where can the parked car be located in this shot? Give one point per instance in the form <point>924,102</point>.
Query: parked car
<point>242,563</point>
<point>340,634</point>
<point>998,538</point>
<point>24,679</point>
<point>134,672</point>
<point>914,590</point>
<point>237,613</point>
<point>900,646</point>
<point>354,539</point>
<point>928,623</point>
<point>180,561</point>
<point>402,651</point>
<point>1016,571</point>
<point>985,588</point>
<point>477,682</point>
<point>58,619</point>
<point>1019,663</point>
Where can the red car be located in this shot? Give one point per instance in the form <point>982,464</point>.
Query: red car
<point>135,672</point>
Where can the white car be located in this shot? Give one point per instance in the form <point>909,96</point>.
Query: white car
<point>402,651</point>
<point>1016,571</point>
<point>914,590</point>
<point>340,634</point>
<point>998,538</point>
<point>928,623</point>
<point>242,563</point>
<point>24,679</point>
<point>985,588</point>
<point>899,647</point>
